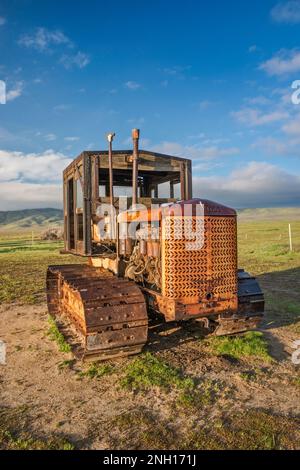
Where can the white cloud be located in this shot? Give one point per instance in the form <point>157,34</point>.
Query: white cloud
<point>71,138</point>
<point>200,167</point>
<point>136,121</point>
<point>132,85</point>
<point>61,107</point>
<point>17,195</point>
<point>5,135</point>
<point>34,180</point>
<point>286,12</point>
<point>31,180</point>
<point>285,96</point>
<point>42,39</point>
<point>292,127</point>
<point>258,100</point>
<point>177,71</point>
<point>45,40</point>
<point>215,141</point>
<point>273,146</point>
<point>144,142</point>
<point>254,117</point>
<point>15,92</point>
<point>199,136</point>
<point>50,137</point>
<point>203,105</point>
<point>2,20</point>
<point>172,70</point>
<point>113,112</point>
<point>32,167</point>
<point>80,60</point>
<point>18,70</point>
<point>194,152</point>
<point>253,48</point>
<point>259,184</point>
<point>283,63</point>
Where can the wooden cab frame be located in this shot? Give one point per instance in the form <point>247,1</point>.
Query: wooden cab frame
<point>86,186</point>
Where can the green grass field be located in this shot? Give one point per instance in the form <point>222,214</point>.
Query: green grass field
<point>263,248</point>
<point>264,245</point>
<point>23,267</point>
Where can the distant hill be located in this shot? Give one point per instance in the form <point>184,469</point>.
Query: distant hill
<point>269,213</point>
<point>42,219</point>
<point>30,219</point>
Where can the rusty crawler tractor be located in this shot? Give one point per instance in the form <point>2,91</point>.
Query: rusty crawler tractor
<point>109,300</point>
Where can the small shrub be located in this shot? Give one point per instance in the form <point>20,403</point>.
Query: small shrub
<point>206,393</point>
<point>55,335</point>
<point>53,234</point>
<point>296,381</point>
<point>96,371</point>
<point>65,364</point>
<point>248,344</point>
<point>148,371</point>
<point>248,376</point>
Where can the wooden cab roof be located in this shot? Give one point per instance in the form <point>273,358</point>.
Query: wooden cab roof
<point>122,160</point>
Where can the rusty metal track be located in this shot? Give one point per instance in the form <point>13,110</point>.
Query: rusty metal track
<point>250,311</point>
<point>108,313</point>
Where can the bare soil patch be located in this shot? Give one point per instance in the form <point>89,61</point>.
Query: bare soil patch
<point>53,397</point>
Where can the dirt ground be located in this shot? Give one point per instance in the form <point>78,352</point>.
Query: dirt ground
<point>44,393</point>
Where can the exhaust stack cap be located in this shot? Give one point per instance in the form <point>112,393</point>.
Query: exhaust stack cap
<point>135,133</point>
<point>110,136</point>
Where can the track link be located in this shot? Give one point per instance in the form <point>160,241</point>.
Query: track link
<point>251,305</point>
<point>109,314</point>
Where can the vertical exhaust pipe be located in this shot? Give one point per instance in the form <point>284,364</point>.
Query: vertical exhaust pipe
<point>135,138</point>
<point>110,138</point>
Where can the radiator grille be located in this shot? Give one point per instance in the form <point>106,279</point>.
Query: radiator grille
<point>211,269</point>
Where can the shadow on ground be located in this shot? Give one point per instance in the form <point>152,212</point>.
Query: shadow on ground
<point>282,296</point>
<point>282,308</point>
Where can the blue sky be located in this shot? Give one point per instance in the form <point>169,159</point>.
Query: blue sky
<point>206,80</point>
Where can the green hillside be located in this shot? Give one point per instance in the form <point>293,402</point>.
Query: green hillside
<point>269,213</point>
<point>30,219</point>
